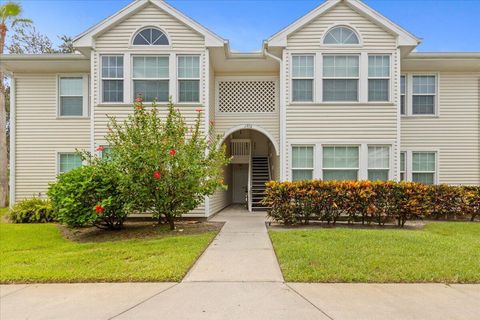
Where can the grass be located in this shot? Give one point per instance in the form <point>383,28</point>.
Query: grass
<point>441,252</point>
<point>39,253</point>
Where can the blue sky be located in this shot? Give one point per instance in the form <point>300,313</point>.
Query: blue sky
<point>448,25</point>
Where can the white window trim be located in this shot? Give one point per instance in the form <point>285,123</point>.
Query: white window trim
<point>359,146</point>
<point>313,78</point>
<point>358,78</point>
<point>100,76</point>
<point>57,158</point>
<point>305,168</point>
<point>404,171</point>
<point>346,25</point>
<point>390,162</point>
<point>409,92</point>
<point>178,79</point>
<point>363,155</point>
<point>132,79</point>
<point>403,94</point>
<point>85,95</point>
<point>137,46</point>
<point>409,162</point>
<point>389,78</point>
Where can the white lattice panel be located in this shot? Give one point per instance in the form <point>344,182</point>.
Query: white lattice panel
<point>246,96</point>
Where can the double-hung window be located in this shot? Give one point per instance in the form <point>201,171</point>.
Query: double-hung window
<point>340,162</point>
<point>403,95</point>
<point>188,73</point>
<point>151,78</point>
<point>403,166</point>
<point>378,78</point>
<point>302,163</point>
<point>340,78</point>
<point>73,96</point>
<point>423,94</point>
<point>378,163</point>
<point>302,78</point>
<point>424,167</point>
<point>68,161</point>
<point>112,78</point>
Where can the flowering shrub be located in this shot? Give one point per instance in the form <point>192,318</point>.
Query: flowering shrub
<point>89,195</point>
<point>368,202</point>
<point>167,167</point>
<point>34,210</point>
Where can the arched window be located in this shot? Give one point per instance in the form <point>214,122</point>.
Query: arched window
<point>341,35</point>
<point>150,37</point>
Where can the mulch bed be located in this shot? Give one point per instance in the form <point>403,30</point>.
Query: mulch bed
<point>139,230</point>
<point>410,225</point>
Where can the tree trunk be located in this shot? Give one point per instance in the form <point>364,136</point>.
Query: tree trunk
<point>171,223</point>
<point>3,129</point>
<point>3,146</point>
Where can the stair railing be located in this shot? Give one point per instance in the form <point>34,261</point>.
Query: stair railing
<point>250,173</point>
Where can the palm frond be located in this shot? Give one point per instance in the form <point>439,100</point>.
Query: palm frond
<point>21,20</point>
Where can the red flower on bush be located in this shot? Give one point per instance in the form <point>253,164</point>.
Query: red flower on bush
<point>139,107</point>
<point>173,152</point>
<point>156,175</point>
<point>99,208</point>
<point>100,148</point>
<point>212,122</point>
<point>139,99</point>
<point>199,110</point>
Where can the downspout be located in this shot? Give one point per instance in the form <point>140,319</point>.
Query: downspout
<point>282,112</point>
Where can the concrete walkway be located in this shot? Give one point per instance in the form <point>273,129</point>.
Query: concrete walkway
<point>238,278</point>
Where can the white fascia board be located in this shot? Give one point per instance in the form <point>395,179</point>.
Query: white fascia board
<point>279,39</point>
<point>404,37</point>
<point>86,39</point>
<point>211,39</point>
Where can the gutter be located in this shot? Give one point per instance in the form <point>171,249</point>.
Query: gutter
<point>42,57</point>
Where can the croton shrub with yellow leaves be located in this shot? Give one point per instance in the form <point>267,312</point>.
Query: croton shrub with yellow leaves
<point>368,202</point>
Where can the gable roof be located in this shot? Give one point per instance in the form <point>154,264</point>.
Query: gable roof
<point>86,39</point>
<point>405,38</point>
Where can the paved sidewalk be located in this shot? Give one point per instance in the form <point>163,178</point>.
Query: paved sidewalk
<point>238,278</point>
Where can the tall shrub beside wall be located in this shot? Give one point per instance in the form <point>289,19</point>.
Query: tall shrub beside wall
<point>368,202</point>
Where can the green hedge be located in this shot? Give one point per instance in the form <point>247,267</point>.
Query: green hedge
<point>34,210</point>
<point>368,202</point>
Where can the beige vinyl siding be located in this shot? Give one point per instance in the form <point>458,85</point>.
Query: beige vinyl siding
<point>40,134</point>
<point>455,133</point>
<point>310,36</point>
<point>221,198</point>
<point>363,122</point>
<point>180,36</point>
<point>117,40</point>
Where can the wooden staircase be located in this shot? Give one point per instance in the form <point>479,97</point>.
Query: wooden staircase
<point>260,175</point>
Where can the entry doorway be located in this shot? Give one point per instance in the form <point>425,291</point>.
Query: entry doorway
<point>240,182</point>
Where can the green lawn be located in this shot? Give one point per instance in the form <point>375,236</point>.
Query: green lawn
<point>441,252</point>
<point>38,253</point>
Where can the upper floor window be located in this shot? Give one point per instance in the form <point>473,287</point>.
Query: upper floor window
<point>188,74</point>
<point>424,92</point>
<point>302,78</point>
<point>150,37</point>
<point>340,78</point>
<point>378,78</point>
<point>151,78</point>
<point>112,78</point>
<point>73,92</point>
<point>341,36</point>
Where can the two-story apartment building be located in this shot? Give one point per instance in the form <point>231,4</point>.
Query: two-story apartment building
<point>338,94</point>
